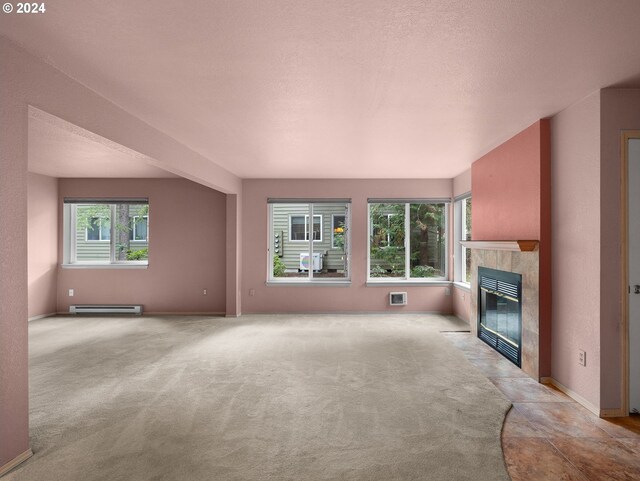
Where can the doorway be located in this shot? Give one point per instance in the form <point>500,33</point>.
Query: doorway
<point>631,328</point>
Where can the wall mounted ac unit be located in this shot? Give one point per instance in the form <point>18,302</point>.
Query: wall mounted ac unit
<point>397,298</point>
<point>105,309</point>
<point>304,261</point>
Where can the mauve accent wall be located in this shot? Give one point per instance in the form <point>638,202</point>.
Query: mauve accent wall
<point>43,244</point>
<point>511,188</point>
<point>187,249</point>
<point>356,298</point>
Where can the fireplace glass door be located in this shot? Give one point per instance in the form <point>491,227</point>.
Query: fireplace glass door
<point>500,319</point>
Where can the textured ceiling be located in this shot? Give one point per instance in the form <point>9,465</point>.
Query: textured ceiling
<point>339,88</point>
<point>60,149</point>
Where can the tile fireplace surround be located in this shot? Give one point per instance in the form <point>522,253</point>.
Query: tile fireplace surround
<point>521,257</point>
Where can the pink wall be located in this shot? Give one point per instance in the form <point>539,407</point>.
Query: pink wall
<point>356,298</point>
<point>461,303</point>
<point>576,247</point>
<point>511,188</point>
<point>620,110</point>
<point>187,249</point>
<point>30,81</point>
<point>43,244</point>
<point>462,183</point>
<point>14,396</point>
<point>234,261</point>
<point>587,243</point>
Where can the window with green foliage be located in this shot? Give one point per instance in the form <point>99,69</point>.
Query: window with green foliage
<point>466,231</point>
<point>407,240</point>
<point>462,220</point>
<point>106,232</point>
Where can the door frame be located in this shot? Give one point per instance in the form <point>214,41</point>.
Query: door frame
<point>624,327</point>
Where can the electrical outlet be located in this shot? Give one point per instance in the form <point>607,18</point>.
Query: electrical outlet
<point>582,357</point>
<point>204,292</point>
<point>252,292</point>
<point>71,292</point>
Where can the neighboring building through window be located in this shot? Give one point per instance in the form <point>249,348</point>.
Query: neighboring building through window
<point>407,240</point>
<point>299,252</point>
<point>299,228</point>
<point>98,229</point>
<point>106,232</point>
<point>139,228</point>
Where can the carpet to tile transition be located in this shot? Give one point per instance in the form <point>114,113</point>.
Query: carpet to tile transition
<point>258,398</point>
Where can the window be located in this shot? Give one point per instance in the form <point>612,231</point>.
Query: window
<point>383,231</point>
<point>466,253</point>
<point>302,253</point>
<point>462,214</point>
<point>98,229</point>
<point>407,240</point>
<point>100,232</point>
<point>299,228</point>
<point>139,228</point>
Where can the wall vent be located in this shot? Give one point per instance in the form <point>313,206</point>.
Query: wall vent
<point>105,309</point>
<point>397,298</point>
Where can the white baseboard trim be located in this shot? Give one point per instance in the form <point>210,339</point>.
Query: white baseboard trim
<point>15,461</point>
<point>346,313</point>
<point>183,313</point>
<point>42,316</point>
<point>573,395</point>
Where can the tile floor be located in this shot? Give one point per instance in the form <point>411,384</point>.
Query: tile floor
<point>547,435</point>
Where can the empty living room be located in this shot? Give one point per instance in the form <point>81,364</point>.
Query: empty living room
<point>282,240</point>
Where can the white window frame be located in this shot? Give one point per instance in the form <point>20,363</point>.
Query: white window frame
<point>460,260</point>
<point>407,279</point>
<point>306,227</point>
<point>310,280</point>
<point>70,241</point>
<point>333,216</point>
<point>134,230</point>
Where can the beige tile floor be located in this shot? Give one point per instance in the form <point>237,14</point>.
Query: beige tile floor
<point>547,435</point>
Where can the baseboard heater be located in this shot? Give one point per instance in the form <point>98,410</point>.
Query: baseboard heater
<point>105,309</point>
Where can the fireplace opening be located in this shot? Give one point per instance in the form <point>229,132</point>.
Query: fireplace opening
<point>500,311</point>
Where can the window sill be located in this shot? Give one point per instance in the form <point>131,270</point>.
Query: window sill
<point>463,286</point>
<point>405,282</point>
<point>305,283</point>
<point>105,266</point>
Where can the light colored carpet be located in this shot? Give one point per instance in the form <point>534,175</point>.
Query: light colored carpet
<point>258,398</point>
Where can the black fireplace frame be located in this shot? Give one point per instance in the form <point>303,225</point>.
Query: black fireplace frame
<point>497,342</point>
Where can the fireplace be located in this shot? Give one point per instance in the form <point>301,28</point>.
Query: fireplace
<point>500,311</point>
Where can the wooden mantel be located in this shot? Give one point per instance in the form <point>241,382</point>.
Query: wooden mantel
<point>515,245</point>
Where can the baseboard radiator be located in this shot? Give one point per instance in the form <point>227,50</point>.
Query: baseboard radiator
<point>105,309</point>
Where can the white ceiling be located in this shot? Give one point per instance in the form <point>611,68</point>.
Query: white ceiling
<point>339,88</point>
